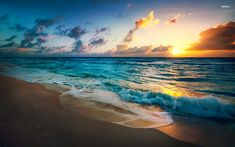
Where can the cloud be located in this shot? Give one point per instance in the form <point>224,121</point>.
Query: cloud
<point>4,19</point>
<point>98,31</point>
<point>221,37</point>
<point>8,45</point>
<point>29,36</point>
<point>123,47</point>
<point>79,47</point>
<point>11,38</point>
<point>124,50</point>
<point>148,21</point>
<point>77,32</point>
<point>51,50</point>
<point>37,31</point>
<point>45,38</point>
<point>38,43</point>
<point>61,30</point>
<point>41,39</point>
<point>17,27</point>
<point>141,23</point>
<point>176,18</point>
<point>96,42</point>
<point>162,48</point>
<point>47,22</point>
<point>130,35</point>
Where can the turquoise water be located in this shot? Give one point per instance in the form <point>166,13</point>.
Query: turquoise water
<point>194,87</point>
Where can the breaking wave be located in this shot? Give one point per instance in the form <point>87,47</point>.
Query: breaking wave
<point>209,107</point>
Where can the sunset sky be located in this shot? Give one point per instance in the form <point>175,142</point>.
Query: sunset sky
<point>156,28</point>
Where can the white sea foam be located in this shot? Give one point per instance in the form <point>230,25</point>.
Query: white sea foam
<point>111,98</point>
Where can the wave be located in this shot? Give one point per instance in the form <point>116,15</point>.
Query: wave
<point>208,107</point>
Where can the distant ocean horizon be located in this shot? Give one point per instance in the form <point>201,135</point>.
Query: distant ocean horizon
<point>192,87</point>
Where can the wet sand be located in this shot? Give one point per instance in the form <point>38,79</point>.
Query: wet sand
<point>31,115</point>
<point>216,133</point>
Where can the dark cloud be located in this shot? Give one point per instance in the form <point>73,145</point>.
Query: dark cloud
<point>38,43</point>
<point>77,32</point>
<point>79,47</point>
<point>50,50</point>
<point>29,36</point>
<point>17,27</point>
<point>8,45</point>
<point>129,37</point>
<point>101,30</point>
<point>47,22</point>
<point>61,30</point>
<point>37,31</point>
<point>4,19</point>
<point>11,38</point>
<point>96,42</point>
<point>221,37</point>
<point>98,39</point>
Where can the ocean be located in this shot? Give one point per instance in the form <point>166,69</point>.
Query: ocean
<point>149,88</point>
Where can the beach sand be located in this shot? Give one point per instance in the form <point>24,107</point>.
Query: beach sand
<point>202,131</point>
<point>31,115</point>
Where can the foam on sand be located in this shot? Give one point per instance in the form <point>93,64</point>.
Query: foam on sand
<point>106,105</point>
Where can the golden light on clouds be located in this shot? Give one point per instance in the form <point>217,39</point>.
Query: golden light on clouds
<point>148,21</point>
<point>181,39</point>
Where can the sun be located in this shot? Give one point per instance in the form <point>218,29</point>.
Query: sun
<point>177,51</point>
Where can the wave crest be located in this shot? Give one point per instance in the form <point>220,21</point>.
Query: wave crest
<point>209,107</point>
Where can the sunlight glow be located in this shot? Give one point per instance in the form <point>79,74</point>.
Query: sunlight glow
<point>177,51</point>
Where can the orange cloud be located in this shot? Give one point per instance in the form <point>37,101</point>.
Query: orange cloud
<point>148,21</point>
<point>176,18</point>
<point>141,23</point>
<point>221,37</point>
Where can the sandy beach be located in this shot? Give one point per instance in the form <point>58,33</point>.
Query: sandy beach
<point>202,131</point>
<point>32,116</point>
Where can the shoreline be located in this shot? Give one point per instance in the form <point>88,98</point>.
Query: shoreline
<point>32,116</point>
